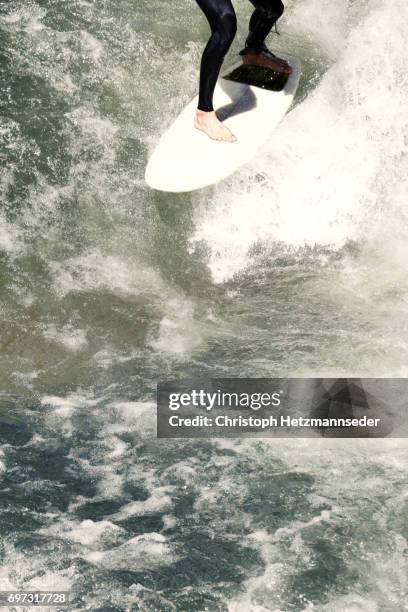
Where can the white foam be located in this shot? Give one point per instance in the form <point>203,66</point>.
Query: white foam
<point>324,22</point>
<point>5,582</point>
<point>71,338</point>
<point>352,602</point>
<point>142,552</point>
<point>140,416</point>
<point>3,467</point>
<point>88,533</point>
<point>91,45</point>
<point>26,18</point>
<point>63,410</point>
<point>51,581</point>
<point>178,332</point>
<point>9,237</point>
<point>93,270</point>
<point>65,406</point>
<point>159,501</point>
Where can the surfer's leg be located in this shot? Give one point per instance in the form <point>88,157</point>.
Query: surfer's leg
<point>223,23</point>
<point>265,15</point>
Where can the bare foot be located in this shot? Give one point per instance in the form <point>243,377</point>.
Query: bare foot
<point>267,60</point>
<point>212,126</point>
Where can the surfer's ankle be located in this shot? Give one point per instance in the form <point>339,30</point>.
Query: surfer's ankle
<point>204,115</point>
<point>204,118</point>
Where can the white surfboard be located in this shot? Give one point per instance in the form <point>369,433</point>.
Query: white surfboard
<point>186,159</point>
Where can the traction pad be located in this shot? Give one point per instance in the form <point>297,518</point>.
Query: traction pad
<point>258,76</point>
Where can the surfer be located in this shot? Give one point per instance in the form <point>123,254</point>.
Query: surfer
<point>223,23</point>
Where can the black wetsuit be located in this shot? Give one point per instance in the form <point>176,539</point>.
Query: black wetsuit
<point>223,23</point>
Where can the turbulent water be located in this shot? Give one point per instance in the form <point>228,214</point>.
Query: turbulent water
<point>296,265</point>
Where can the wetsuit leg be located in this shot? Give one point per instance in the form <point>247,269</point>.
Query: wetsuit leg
<point>223,23</point>
<point>266,13</point>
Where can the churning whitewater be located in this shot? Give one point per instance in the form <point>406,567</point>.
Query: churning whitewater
<point>294,266</point>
